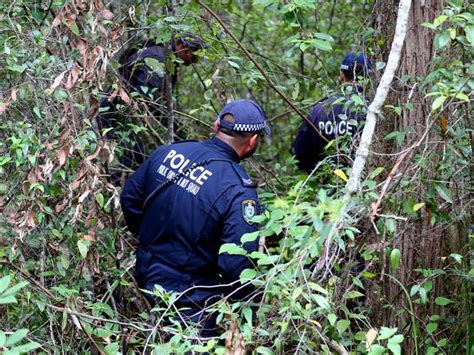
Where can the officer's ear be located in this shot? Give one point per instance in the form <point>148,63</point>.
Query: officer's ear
<point>254,140</point>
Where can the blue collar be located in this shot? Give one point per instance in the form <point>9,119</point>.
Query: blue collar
<point>220,146</point>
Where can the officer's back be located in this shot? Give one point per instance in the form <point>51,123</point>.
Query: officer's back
<point>184,223</point>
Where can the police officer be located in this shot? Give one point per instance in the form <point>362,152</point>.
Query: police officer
<point>340,115</point>
<point>142,70</point>
<point>186,201</point>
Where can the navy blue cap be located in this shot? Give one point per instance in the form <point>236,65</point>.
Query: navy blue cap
<point>192,41</point>
<point>351,59</point>
<point>248,116</point>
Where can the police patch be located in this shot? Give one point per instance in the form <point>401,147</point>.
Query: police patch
<point>248,210</point>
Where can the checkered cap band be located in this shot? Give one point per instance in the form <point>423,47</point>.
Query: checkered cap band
<point>242,127</point>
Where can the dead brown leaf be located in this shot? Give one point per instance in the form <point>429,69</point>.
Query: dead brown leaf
<point>97,151</point>
<point>4,106</point>
<point>124,96</point>
<point>31,219</point>
<point>60,206</point>
<point>71,78</point>
<point>13,94</point>
<point>108,15</point>
<point>81,5</point>
<point>234,342</point>
<point>62,155</point>
<point>57,20</point>
<point>99,5</point>
<point>56,83</point>
<point>84,196</point>
<point>370,337</point>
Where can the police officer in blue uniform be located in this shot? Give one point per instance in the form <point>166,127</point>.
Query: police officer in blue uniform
<point>186,201</point>
<point>138,76</point>
<point>336,116</point>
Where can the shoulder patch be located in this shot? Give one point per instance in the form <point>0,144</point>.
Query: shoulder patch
<point>246,180</point>
<point>248,210</point>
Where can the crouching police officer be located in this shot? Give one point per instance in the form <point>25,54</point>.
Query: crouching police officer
<point>138,75</point>
<point>340,115</point>
<point>187,200</point>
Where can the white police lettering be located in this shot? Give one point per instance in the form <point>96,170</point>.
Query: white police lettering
<point>175,164</point>
<point>340,128</point>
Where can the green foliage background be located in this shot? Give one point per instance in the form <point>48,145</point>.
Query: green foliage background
<point>61,227</point>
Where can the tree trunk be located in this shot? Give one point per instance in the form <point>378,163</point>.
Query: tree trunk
<point>422,244</point>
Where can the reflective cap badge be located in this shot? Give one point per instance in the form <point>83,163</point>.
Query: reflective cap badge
<point>248,210</point>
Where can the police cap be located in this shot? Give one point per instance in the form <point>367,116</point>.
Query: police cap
<point>248,117</point>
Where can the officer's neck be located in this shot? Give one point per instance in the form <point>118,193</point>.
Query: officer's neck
<point>235,143</point>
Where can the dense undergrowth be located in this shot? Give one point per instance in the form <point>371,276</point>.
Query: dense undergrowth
<point>66,260</point>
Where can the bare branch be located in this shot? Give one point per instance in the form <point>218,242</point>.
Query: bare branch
<point>353,184</point>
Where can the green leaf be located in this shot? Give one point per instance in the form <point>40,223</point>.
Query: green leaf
<point>264,350</point>
<point>431,327</point>
<point>233,64</point>
<point>316,287</point>
<point>343,325</point>
<point>14,289</point>
<point>25,348</point>
<point>470,34</point>
<point>439,20</point>
<point>4,282</point>
<point>428,25</point>
<point>7,299</point>
<point>462,96</point>
<point>417,206</point>
<point>3,338</point>
<point>442,301</point>
<point>114,348</point>
<point>442,39</point>
<point>395,258</point>
<point>16,337</point>
<point>444,192</point>
<point>37,111</point>
<point>268,260</point>
<point>156,66</point>
<point>296,293</point>
<point>100,199</point>
<point>394,348</point>
<point>396,339</point>
<point>357,100</point>
<point>321,44</point>
<point>386,333</point>
<point>83,246</point>
<point>354,294</point>
<point>457,257</point>
<point>397,135</point>
<point>332,318</point>
<point>249,237</point>
<point>74,28</point>
<point>438,102</point>
<point>321,301</point>
<point>247,274</point>
<point>376,172</point>
<point>376,349</point>
<point>232,249</point>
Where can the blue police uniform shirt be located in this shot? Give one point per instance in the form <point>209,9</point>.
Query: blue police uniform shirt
<point>334,116</point>
<point>182,228</point>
